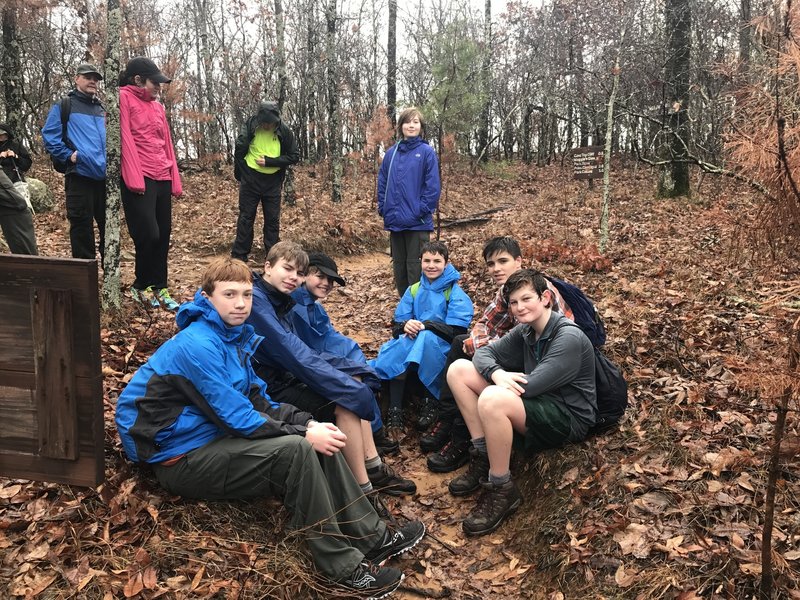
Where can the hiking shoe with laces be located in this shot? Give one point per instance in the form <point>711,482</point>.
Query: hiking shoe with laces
<point>396,541</point>
<point>384,444</point>
<point>495,503</point>
<point>453,455</point>
<point>145,296</point>
<point>428,413</point>
<point>166,300</point>
<point>379,506</point>
<point>436,438</point>
<point>394,418</point>
<point>478,471</point>
<point>386,481</point>
<point>377,581</point>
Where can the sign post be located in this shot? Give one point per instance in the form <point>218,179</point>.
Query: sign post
<point>587,163</point>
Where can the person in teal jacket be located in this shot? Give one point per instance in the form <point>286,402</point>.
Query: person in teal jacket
<point>201,417</point>
<point>426,320</point>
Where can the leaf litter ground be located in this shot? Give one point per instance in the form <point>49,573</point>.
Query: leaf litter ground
<point>670,505</point>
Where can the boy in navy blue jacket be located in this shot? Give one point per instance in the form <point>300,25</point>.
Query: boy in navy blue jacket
<point>199,415</point>
<point>311,380</point>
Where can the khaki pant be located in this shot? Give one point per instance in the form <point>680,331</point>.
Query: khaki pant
<point>320,493</point>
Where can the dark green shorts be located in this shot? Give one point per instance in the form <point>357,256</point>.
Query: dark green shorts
<point>548,422</point>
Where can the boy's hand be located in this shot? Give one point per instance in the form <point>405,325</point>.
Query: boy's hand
<point>413,327</point>
<point>325,438</point>
<point>510,381</point>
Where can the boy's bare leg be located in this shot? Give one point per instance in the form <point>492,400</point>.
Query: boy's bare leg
<point>370,450</point>
<point>501,412</point>
<point>466,384</point>
<point>353,450</point>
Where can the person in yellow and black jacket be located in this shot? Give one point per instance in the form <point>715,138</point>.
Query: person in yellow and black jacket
<point>264,148</point>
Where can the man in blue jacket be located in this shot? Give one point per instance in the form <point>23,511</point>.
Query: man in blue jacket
<point>310,380</point>
<point>80,147</point>
<point>199,415</point>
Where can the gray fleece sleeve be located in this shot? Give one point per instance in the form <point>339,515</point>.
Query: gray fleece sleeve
<point>506,353</point>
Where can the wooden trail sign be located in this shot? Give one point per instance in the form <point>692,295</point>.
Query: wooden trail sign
<point>51,387</point>
<point>587,162</point>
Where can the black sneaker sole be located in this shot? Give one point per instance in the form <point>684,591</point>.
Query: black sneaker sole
<point>511,510</point>
<point>411,544</point>
<point>389,590</point>
<point>448,468</point>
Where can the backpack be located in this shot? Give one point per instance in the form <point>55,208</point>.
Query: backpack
<point>587,317</point>
<point>415,289</point>
<point>66,108</point>
<point>612,389</point>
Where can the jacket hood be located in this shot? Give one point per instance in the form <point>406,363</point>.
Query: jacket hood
<point>449,276</point>
<point>268,113</point>
<point>302,296</point>
<point>7,129</point>
<point>282,303</point>
<point>200,309</point>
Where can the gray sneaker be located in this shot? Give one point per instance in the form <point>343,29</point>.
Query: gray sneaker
<point>377,581</point>
<point>396,541</point>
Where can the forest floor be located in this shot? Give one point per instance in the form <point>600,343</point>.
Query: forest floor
<point>670,505</point>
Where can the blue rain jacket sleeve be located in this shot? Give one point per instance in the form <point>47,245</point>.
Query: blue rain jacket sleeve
<point>285,351</point>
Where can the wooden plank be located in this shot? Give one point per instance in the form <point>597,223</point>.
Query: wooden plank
<point>23,383</point>
<point>56,402</point>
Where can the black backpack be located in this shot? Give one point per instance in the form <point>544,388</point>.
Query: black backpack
<point>612,389</point>
<point>586,314</point>
<point>66,108</point>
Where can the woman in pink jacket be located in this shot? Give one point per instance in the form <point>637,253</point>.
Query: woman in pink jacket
<point>149,176</point>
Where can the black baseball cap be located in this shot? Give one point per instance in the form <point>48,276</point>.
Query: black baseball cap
<point>87,69</point>
<point>326,265</point>
<point>144,67</point>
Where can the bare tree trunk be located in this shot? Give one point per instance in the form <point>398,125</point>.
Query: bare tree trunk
<point>199,18</point>
<point>334,129</point>
<point>678,23</point>
<point>605,208</point>
<point>391,67</point>
<point>112,294</point>
<point>12,70</point>
<point>281,52</point>
<point>313,126</point>
<point>483,125</point>
<point>745,32</point>
<point>213,143</point>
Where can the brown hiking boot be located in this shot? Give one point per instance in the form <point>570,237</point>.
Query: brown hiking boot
<point>495,503</point>
<point>478,470</point>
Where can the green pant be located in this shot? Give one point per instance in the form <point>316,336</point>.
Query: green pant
<point>548,422</point>
<point>405,247</point>
<point>320,493</point>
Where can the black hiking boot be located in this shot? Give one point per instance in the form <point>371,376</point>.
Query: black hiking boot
<point>436,438</point>
<point>386,481</point>
<point>384,444</point>
<point>454,454</point>
<point>428,412</point>
<point>495,503</point>
<point>478,471</point>
<point>376,581</point>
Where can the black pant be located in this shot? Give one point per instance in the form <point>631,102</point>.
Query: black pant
<point>17,226</point>
<point>86,202</point>
<point>258,188</point>
<point>149,218</point>
<point>448,409</point>
<point>405,247</point>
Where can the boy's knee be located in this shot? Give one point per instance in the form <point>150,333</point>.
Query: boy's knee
<point>459,368</point>
<point>495,401</point>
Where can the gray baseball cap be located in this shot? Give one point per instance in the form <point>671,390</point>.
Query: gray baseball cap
<point>87,69</point>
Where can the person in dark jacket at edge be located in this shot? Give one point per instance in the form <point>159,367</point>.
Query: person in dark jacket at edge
<point>264,148</point>
<point>15,218</point>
